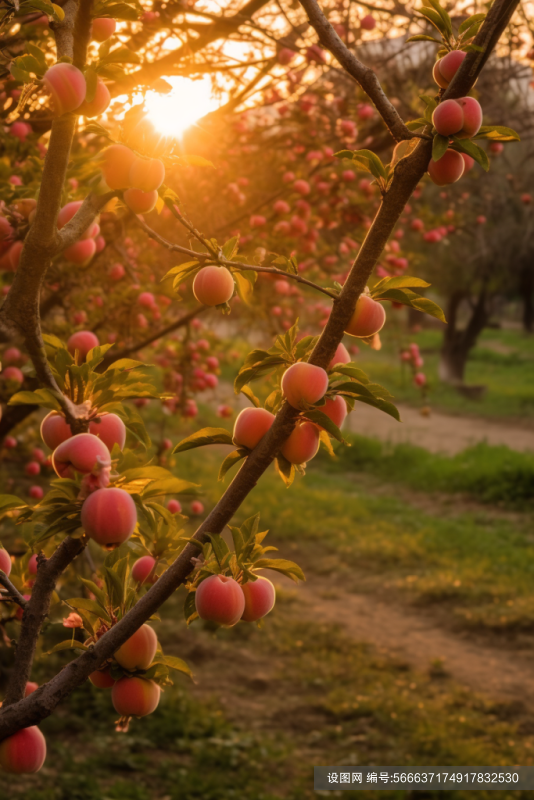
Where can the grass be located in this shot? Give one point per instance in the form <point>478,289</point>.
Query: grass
<point>503,361</point>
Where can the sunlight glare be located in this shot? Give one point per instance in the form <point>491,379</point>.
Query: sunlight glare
<point>176,111</point>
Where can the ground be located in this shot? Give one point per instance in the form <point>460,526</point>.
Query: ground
<point>409,643</point>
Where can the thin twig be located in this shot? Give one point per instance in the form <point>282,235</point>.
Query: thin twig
<point>14,593</point>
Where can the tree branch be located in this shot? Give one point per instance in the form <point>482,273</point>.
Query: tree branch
<point>14,593</point>
<point>84,217</point>
<point>408,173</point>
<point>363,75</point>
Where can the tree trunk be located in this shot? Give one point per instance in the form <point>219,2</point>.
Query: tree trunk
<point>457,344</point>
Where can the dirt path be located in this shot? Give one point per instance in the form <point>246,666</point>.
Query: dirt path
<point>417,638</point>
<point>439,433</point>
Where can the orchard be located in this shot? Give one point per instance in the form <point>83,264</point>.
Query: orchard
<point>221,230</point>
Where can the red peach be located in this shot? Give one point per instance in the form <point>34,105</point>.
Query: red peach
<point>448,117</point>
<point>80,453</point>
<point>419,379</point>
<point>341,356</point>
<point>36,492</point>
<point>99,103</point>
<point>135,697</point>
<point>139,650</point>
<point>302,445</point>
<point>54,430</point>
<point>20,130</point>
<point>260,598</point>
<point>213,286</point>
<point>496,148</point>
<point>197,507</point>
<point>12,374</point>
<point>468,162</point>
<point>110,429</point>
<point>31,687</point>
<point>446,68</point>
<point>117,161</point>
<point>174,507</point>
<point>116,272</point>
<point>102,28</point>
<point>368,23</point>
<point>109,516</point>
<point>251,425</point>
<point>220,599</point>
<point>140,202</point>
<point>143,569</point>
<point>335,409</point>
<point>32,564</point>
<point>472,112</point>
<point>80,253</point>
<point>67,88</point>
<point>368,318</point>
<point>83,342</point>
<point>147,174</point>
<point>102,679</point>
<point>304,384</point>
<point>32,468</point>
<point>447,169</point>
<point>11,356</point>
<point>302,187</point>
<point>5,561</point>
<point>23,752</point>
<point>285,56</point>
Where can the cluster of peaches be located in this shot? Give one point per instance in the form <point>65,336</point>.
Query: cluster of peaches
<point>461,118</point>
<point>303,385</point>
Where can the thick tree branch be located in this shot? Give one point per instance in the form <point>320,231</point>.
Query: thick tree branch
<point>408,173</point>
<point>35,612</point>
<point>363,75</point>
<point>83,219</point>
<point>13,592</point>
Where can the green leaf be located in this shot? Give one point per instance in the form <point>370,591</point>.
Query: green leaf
<point>96,590</point>
<point>320,418</point>
<point>41,397</point>
<point>443,14</point>
<point>68,644</point>
<point>439,146</point>
<point>176,663</point>
<point>421,37</point>
<point>285,470</point>
<point>85,604</point>
<point>351,372</point>
<point>230,460</point>
<point>244,282</point>
<point>9,501</point>
<point>120,11</point>
<point>497,133</point>
<point>473,150</point>
<point>404,282</point>
<point>382,405</point>
<point>247,391</point>
<point>220,548</point>
<point>409,298</point>
<point>230,248</point>
<point>282,565</point>
<point>204,437</point>
<point>436,19</point>
<point>190,609</point>
<point>38,55</point>
<point>470,21</point>
<point>170,485</point>
<point>415,124</point>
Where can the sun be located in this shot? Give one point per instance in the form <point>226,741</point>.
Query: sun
<point>176,111</point>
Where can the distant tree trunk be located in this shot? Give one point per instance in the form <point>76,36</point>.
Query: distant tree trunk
<point>457,344</point>
<point>526,289</point>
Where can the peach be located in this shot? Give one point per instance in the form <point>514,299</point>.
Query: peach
<point>220,599</point>
<point>446,68</point>
<point>67,88</point>
<point>341,356</point>
<point>32,564</point>
<point>20,130</point>
<point>368,23</point>
<point>260,597</point>
<point>448,117</point>
<point>251,426</point>
<point>143,569</point>
<point>31,687</point>
<point>447,169</point>
<point>302,445</point>
<point>81,252</point>
<point>174,507</point>
<point>23,752</point>
<point>25,206</point>
<point>472,112</point>
<point>304,384</point>
<point>147,174</point>
<point>197,507</point>
<point>110,429</point>
<point>81,453</point>
<point>368,318</point>
<point>99,103</point>
<point>135,697</point>
<point>335,409</point>
<point>109,516</point>
<point>54,430</point>
<point>140,202</point>
<point>83,342</point>
<point>12,374</point>
<point>12,355</point>
<point>117,160</point>
<point>102,679</point>
<point>468,162</point>
<point>139,650</point>
<point>5,561</point>
<point>13,255</point>
<point>67,213</point>
<point>213,286</point>
<point>102,28</point>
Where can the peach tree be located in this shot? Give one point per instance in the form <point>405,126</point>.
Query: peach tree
<point>107,487</point>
